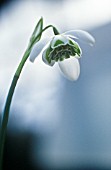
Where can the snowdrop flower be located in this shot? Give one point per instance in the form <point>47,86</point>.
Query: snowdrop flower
<point>64,50</point>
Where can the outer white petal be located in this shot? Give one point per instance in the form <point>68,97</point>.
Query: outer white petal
<point>37,49</point>
<point>81,35</point>
<point>70,68</point>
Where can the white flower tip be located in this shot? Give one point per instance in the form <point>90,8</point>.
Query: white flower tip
<point>31,59</point>
<point>74,76</point>
<point>92,42</point>
<point>70,68</point>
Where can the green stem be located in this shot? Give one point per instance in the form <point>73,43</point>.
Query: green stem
<point>8,103</point>
<point>56,32</point>
<point>5,117</point>
<point>11,92</point>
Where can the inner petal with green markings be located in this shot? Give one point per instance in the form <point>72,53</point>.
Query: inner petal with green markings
<point>60,48</point>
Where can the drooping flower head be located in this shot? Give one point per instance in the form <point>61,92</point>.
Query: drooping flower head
<point>59,49</point>
<point>63,49</point>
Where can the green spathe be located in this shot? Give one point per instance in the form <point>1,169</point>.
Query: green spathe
<point>38,30</point>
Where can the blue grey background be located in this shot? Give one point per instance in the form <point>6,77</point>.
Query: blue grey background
<point>68,123</point>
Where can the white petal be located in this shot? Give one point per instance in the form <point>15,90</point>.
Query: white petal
<point>62,40</point>
<point>37,48</point>
<point>70,68</point>
<point>81,35</point>
<point>44,59</point>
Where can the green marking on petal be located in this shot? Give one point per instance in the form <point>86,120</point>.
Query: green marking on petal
<point>59,50</point>
<point>71,42</point>
<point>47,54</point>
<point>58,40</point>
<point>57,43</point>
<point>76,50</point>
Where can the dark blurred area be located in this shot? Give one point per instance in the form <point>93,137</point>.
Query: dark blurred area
<point>17,155</point>
<point>4,3</point>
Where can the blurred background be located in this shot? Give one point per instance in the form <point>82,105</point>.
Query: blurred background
<point>54,123</point>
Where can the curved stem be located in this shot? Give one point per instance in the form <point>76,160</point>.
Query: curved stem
<point>5,117</point>
<point>11,92</point>
<point>54,30</point>
<point>8,103</point>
